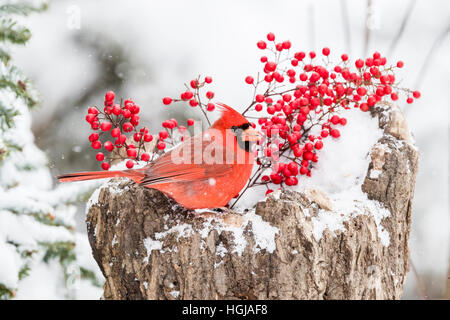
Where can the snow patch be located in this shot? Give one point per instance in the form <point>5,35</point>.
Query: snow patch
<point>374,174</point>
<point>346,205</point>
<point>151,245</point>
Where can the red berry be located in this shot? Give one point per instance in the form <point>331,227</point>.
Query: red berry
<point>100,156</point>
<point>271,66</point>
<point>131,153</point>
<point>91,117</point>
<point>371,101</point>
<point>334,119</point>
<point>292,166</point>
<point>258,107</point>
<point>145,157</point>
<point>359,63</point>
<point>308,155</point>
<point>318,145</point>
<point>161,145</point>
<point>126,113</point>
<point>167,100</point>
<point>210,95</point>
<point>116,110</point>
<point>105,165</point>
<point>324,133</point>
<point>96,144</point>
<point>343,121</point>
<point>109,96</point>
<point>130,164</point>
<point>400,64</point>
<point>276,178</point>
<point>93,137</point>
<point>394,96</point>
<point>194,84</point>
<point>190,122</point>
<point>137,137</point>
<point>416,94</point>
<point>105,126</point>
<point>335,133</point>
<point>309,146</point>
<point>187,95</point>
<point>108,146</point>
<point>259,98</point>
<point>270,36</point>
<point>93,110</point>
<point>286,172</point>
<point>344,57</point>
<point>364,107</point>
<point>210,107</point>
<point>115,132</point>
<point>361,91</point>
<point>262,45</point>
<point>208,79</point>
<point>303,170</point>
<point>193,103</point>
<point>287,97</point>
<point>409,100</point>
<point>163,135</point>
<point>135,120</point>
<point>249,79</point>
<point>286,45</point>
<point>127,127</point>
<point>122,138</point>
<point>269,191</point>
<point>148,137</point>
<point>326,51</point>
<point>292,138</point>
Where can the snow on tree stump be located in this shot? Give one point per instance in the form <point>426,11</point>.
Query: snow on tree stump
<point>148,247</point>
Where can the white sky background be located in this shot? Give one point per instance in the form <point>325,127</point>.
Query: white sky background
<point>177,40</point>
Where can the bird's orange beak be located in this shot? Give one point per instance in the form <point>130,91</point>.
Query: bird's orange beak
<point>251,135</point>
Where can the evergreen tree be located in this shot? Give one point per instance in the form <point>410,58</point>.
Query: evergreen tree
<point>39,248</point>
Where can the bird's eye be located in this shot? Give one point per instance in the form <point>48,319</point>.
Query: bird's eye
<point>245,126</point>
<point>241,128</point>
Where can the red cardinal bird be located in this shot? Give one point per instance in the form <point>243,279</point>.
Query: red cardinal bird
<point>205,171</point>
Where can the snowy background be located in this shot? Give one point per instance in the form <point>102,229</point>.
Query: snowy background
<point>147,49</point>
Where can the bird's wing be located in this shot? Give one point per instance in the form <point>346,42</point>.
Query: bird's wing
<point>190,162</point>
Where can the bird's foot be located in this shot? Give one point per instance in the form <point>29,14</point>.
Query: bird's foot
<point>222,210</point>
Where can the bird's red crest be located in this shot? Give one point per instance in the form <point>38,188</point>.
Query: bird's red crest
<point>229,117</point>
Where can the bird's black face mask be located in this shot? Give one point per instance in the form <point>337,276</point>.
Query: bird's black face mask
<point>246,136</point>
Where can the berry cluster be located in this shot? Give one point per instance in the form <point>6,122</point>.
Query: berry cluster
<point>121,121</point>
<point>301,91</point>
<point>193,97</point>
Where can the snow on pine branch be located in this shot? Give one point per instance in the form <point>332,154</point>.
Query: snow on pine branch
<point>38,245</point>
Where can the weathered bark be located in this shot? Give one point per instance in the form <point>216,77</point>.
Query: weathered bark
<point>279,257</point>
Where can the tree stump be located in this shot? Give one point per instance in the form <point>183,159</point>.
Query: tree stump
<point>148,247</point>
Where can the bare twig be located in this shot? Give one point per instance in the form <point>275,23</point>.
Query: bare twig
<point>346,19</point>
<point>420,285</point>
<point>402,27</point>
<point>312,22</point>
<point>367,28</point>
<point>434,48</point>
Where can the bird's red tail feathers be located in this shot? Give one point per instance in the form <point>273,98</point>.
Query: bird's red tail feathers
<point>92,175</point>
